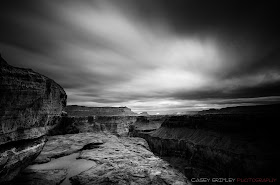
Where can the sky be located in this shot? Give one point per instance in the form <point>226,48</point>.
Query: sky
<point>159,56</point>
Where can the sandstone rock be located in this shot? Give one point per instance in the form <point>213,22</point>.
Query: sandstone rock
<point>118,125</point>
<point>62,145</point>
<point>148,123</point>
<point>126,161</point>
<point>29,101</point>
<point>30,105</point>
<point>112,160</point>
<point>16,156</point>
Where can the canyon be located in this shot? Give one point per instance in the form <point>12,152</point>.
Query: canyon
<point>43,141</point>
<point>218,145</point>
<point>41,144</point>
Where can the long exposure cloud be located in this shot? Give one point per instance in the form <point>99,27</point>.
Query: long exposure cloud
<point>157,56</point>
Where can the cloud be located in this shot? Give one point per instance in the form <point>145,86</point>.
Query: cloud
<point>157,56</point>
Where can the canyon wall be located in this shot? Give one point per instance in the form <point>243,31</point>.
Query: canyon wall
<point>220,145</point>
<point>117,125</point>
<point>30,105</point>
<point>79,111</point>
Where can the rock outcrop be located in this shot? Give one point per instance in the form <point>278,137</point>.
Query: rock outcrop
<point>30,105</point>
<point>147,124</point>
<point>222,145</point>
<point>98,158</point>
<point>81,111</point>
<point>117,125</point>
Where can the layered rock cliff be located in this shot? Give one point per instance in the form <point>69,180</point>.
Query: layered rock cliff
<point>118,125</point>
<point>79,111</point>
<point>219,145</point>
<point>30,105</point>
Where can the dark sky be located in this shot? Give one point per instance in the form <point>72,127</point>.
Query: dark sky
<point>160,56</point>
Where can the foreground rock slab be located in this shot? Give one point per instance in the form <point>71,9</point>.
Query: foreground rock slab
<point>102,159</point>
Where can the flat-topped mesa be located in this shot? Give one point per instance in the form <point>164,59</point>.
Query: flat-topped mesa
<point>227,145</point>
<point>144,114</point>
<point>30,105</point>
<point>79,111</point>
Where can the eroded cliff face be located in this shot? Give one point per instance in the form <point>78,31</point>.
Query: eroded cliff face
<point>117,125</point>
<point>31,104</point>
<point>218,145</point>
<point>81,111</point>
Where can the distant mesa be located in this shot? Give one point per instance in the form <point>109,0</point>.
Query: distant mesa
<point>185,113</point>
<point>80,111</point>
<point>144,114</point>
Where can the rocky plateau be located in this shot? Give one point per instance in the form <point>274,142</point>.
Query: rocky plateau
<point>98,158</point>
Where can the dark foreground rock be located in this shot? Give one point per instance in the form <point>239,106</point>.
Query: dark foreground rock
<point>42,177</point>
<point>97,158</point>
<point>30,105</point>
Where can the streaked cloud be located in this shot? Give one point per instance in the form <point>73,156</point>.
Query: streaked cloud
<point>151,56</point>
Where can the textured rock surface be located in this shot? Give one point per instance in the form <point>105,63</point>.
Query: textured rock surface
<point>149,123</point>
<point>104,159</point>
<point>218,145</point>
<point>79,111</point>
<point>118,125</point>
<point>18,155</point>
<point>62,145</point>
<point>30,104</point>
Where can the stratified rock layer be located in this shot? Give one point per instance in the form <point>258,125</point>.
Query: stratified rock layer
<point>97,158</point>
<point>118,125</point>
<point>30,104</point>
<point>79,111</point>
